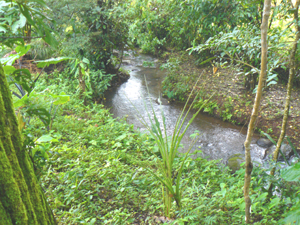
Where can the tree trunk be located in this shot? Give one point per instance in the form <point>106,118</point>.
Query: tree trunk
<point>289,86</point>
<point>263,70</point>
<point>22,200</point>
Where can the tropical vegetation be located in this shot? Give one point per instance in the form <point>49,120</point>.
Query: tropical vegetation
<point>64,159</point>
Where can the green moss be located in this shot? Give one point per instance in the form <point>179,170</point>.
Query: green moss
<point>10,195</point>
<point>4,216</point>
<point>22,196</point>
<point>234,162</point>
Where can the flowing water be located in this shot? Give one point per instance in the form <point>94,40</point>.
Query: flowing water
<point>218,139</point>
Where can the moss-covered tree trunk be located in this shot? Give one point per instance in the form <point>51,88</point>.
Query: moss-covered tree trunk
<point>251,126</point>
<point>22,200</point>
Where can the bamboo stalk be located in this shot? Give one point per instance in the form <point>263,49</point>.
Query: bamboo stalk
<point>254,115</point>
<point>292,72</point>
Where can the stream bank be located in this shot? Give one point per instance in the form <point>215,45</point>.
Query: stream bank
<point>218,139</point>
<point>228,98</point>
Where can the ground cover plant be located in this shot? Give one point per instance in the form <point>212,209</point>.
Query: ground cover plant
<point>98,172</point>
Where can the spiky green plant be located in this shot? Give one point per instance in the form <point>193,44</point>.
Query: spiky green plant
<point>40,50</point>
<point>168,146</point>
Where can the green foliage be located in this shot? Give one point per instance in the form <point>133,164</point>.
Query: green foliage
<point>99,81</point>
<point>292,217</point>
<point>31,103</point>
<point>19,18</point>
<point>171,65</point>
<point>171,88</point>
<point>242,46</point>
<point>291,173</point>
<point>52,61</point>
<point>91,29</point>
<point>226,110</point>
<point>96,83</point>
<point>40,50</point>
<point>97,173</point>
<point>157,24</point>
<point>148,64</point>
<point>208,106</point>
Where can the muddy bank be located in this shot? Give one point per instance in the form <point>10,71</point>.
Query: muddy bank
<point>228,98</point>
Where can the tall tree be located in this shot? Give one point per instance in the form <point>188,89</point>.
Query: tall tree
<point>22,200</point>
<point>254,115</point>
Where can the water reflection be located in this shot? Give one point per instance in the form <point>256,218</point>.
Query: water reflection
<point>218,139</point>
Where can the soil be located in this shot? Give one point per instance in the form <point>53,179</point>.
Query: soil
<point>226,87</point>
<point>28,63</point>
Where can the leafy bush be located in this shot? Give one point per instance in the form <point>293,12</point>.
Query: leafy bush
<point>96,82</point>
<point>91,29</point>
<point>242,46</point>
<point>157,24</point>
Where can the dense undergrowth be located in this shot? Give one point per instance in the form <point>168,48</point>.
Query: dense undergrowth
<point>98,173</point>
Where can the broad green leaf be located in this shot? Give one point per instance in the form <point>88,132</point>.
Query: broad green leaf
<point>24,10</point>
<point>41,2</point>
<point>93,142</point>
<point>3,29</point>
<point>9,69</point>
<point>18,24</point>
<point>271,77</point>
<point>82,70</point>
<point>23,77</point>
<point>9,60</point>
<point>274,202</point>
<point>120,138</point>
<point>48,62</point>
<point>49,38</point>
<point>93,221</point>
<point>45,138</point>
<point>22,50</point>
<point>271,82</point>
<point>293,217</point>
<point>21,102</point>
<point>291,173</point>
<point>10,42</point>
<point>42,113</point>
<point>62,98</point>
<point>25,73</point>
<point>85,60</point>
<point>262,196</point>
<point>4,4</point>
<point>208,60</point>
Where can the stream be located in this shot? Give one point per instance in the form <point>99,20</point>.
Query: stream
<point>218,139</point>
